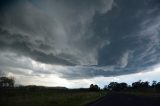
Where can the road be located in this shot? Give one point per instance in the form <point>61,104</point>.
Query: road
<point>119,99</point>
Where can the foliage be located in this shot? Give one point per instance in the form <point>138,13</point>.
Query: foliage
<point>139,85</point>
<point>94,87</point>
<point>6,82</point>
<point>117,86</point>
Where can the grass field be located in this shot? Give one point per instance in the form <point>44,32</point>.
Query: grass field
<point>48,97</point>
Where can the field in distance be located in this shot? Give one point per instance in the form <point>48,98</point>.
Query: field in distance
<point>48,97</point>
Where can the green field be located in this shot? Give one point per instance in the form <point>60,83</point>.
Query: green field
<point>48,97</point>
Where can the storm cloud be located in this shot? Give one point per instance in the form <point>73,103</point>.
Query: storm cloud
<point>79,39</point>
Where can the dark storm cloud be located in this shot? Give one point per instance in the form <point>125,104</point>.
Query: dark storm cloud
<point>124,32</point>
<point>90,72</point>
<point>54,31</point>
<point>20,44</point>
<point>133,31</point>
<point>100,38</point>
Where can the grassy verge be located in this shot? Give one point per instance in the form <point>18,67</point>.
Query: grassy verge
<point>48,98</point>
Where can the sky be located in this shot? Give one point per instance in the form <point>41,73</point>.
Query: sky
<point>74,43</point>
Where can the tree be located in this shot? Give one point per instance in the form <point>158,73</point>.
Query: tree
<point>158,86</point>
<point>123,86</point>
<point>136,84</point>
<point>94,87</point>
<point>113,86</point>
<point>7,82</point>
<point>154,83</point>
<point>139,85</point>
<point>145,84</point>
<point>105,87</point>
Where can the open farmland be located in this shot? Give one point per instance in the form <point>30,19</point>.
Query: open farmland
<point>47,97</point>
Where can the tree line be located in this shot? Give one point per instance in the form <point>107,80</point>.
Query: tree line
<point>9,82</point>
<point>138,85</point>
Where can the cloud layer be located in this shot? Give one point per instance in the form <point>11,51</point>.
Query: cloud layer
<point>53,31</point>
<point>78,39</point>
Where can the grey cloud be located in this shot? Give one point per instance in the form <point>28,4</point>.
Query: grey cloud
<point>21,45</point>
<point>133,48</point>
<point>22,65</point>
<point>90,72</point>
<point>100,38</point>
<point>56,31</point>
<point>124,32</point>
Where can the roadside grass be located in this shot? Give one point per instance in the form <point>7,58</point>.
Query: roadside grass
<point>48,97</point>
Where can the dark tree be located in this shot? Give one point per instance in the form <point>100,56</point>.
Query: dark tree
<point>154,83</point>
<point>136,84</point>
<point>123,86</point>
<point>94,87</point>
<point>6,82</point>
<point>105,87</point>
<point>114,86</point>
<point>145,84</point>
<point>140,85</point>
<point>158,86</point>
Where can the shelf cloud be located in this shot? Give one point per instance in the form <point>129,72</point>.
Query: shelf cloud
<point>79,39</point>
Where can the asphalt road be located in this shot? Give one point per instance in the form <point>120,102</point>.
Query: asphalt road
<point>119,99</point>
